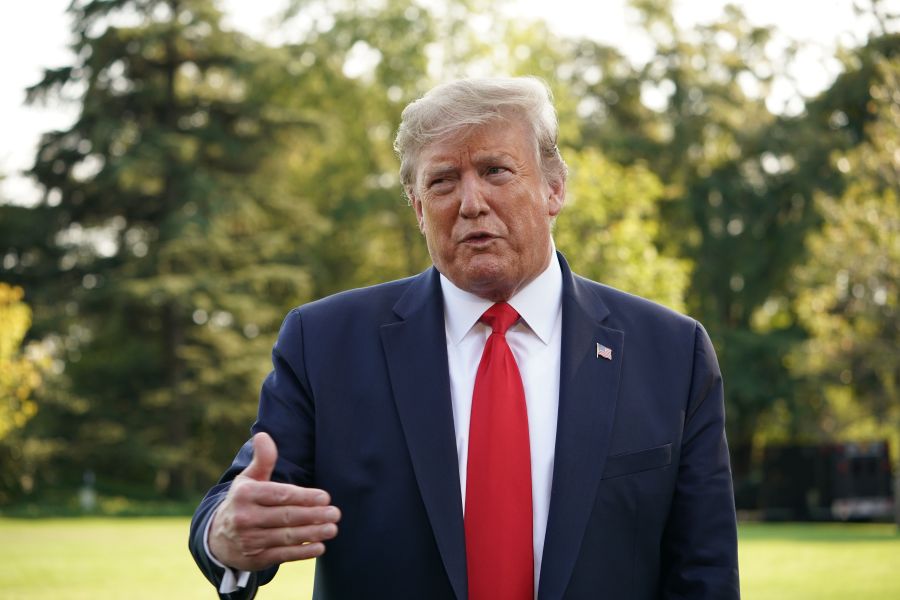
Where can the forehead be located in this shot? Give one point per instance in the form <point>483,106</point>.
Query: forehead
<point>509,137</point>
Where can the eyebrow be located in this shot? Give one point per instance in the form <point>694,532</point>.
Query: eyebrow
<point>481,158</point>
<point>440,170</point>
<point>490,156</point>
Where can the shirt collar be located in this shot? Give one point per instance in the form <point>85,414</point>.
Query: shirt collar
<point>538,303</point>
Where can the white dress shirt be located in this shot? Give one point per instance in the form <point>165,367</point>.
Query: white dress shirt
<point>535,344</point>
<point>535,341</point>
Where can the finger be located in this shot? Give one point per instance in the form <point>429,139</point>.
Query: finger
<point>295,536</point>
<point>259,541</point>
<point>256,561</point>
<point>295,516</point>
<point>265,453</point>
<point>271,493</point>
<point>283,554</point>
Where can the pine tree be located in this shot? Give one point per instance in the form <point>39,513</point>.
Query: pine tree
<point>166,251</point>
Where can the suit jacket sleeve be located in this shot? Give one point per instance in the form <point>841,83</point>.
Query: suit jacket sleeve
<point>286,412</point>
<point>699,546</point>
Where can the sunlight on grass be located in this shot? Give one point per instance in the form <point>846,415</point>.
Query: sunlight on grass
<point>820,561</point>
<point>69,559</point>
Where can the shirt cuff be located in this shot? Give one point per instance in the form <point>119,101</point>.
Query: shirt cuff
<point>231,580</point>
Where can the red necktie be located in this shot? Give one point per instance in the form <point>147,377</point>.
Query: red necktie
<point>499,555</point>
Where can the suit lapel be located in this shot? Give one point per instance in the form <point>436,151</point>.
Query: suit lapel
<point>416,353</point>
<point>587,399</point>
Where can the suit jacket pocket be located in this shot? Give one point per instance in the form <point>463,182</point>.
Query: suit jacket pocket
<point>635,462</point>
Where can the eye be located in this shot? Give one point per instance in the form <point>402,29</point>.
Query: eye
<point>495,170</point>
<point>440,185</point>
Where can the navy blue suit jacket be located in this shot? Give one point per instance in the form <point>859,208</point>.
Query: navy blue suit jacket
<point>358,404</point>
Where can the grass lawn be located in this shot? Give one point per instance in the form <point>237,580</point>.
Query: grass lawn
<point>826,561</point>
<point>140,558</point>
<point>64,559</point>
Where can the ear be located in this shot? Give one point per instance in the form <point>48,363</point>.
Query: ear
<point>557,196</point>
<point>417,206</point>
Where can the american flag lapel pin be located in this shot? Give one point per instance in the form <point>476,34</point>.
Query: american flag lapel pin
<point>604,352</point>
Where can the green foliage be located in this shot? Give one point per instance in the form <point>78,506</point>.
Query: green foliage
<point>610,226</point>
<point>164,239</point>
<point>211,182</point>
<point>740,185</point>
<point>19,374</point>
<point>696,115</point>
<point>848,293</point>
<point>22,373</point>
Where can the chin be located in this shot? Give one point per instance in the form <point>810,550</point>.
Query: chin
<point>493,284</point>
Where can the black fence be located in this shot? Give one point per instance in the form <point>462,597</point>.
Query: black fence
<point>846,482</point>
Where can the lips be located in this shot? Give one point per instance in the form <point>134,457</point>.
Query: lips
<point>476,237</point>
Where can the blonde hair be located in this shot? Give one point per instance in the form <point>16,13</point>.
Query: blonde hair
<point>453,108</point>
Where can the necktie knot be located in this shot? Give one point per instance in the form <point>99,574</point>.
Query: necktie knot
<point>500,317</point>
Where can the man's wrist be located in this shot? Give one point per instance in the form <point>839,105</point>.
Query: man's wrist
<point>232,579</point>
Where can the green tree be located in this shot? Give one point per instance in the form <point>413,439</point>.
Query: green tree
<point>836,129</point>
<point>210,184</point>
<point>696,112</point>
<point>740,183</point>
<point>848,294</point>
<point>357,67</point>
<point>19,375</point>
<point>167,250</point>
<point>22,371</point>
<point>610,225</point>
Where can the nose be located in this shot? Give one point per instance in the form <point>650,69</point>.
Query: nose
<point>473,201</point>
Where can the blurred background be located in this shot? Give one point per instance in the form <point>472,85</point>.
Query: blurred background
<point>178,174</point>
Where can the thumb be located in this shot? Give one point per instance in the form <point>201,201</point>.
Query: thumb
<point>264,456</point>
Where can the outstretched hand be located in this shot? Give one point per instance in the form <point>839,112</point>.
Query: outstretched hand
<point>262,523</point>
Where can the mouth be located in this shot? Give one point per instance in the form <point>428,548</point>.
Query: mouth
<point>478,237</point>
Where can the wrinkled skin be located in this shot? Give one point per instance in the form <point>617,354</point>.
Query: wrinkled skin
<point>486,208</point>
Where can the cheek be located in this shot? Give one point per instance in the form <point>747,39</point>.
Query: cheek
<point>438,218</point>
<point>528,221</point>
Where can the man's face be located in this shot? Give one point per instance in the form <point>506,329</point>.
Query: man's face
<point>485,208</point>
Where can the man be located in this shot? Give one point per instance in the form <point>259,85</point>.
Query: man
<point>496,427</point>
